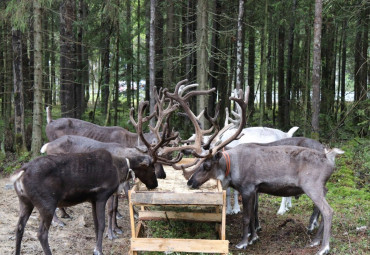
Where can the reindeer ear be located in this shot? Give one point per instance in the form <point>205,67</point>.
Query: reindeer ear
<point>146,162</point>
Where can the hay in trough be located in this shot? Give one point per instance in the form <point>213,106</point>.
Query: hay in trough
<point>176,182</point>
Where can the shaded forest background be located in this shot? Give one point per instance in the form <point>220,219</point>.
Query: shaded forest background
<point>85,59</point>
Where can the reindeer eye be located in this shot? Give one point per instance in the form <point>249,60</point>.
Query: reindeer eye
<point>207,165</point>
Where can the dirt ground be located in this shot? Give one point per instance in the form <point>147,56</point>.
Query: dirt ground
<point>280,234</point>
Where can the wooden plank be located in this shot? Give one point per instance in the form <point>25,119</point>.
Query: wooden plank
<point>132,219</point>
<point>166,198</point>
<point>189,216</point>
<point>180,245</point>
<point>223,221</point>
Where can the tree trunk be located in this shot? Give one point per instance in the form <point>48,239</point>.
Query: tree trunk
<point>152,59</point>
<point>328,64</point>
<point>263,66</point>
<point>344,62</point>
<point>316,74</point>
<point>20,141</point>
<point>170,45</point>
<point>67,58</point>
<point>251,64</point>
<point>269,67</point>
<point>239,84</point>
<point>129,55</point>
<point>105,67</point>
<point>37,101</point>
<point>281,76</point>
<point>202,55</point>
<point>287,93</point>
<point>46,61</point>
<point>116,79</point>
<point>306,87</point>
<point>159,22</point>
<point>138,66</point>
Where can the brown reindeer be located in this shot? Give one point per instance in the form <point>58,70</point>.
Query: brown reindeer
<point>53,181</point>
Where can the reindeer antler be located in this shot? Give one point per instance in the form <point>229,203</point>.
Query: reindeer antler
<point>212,151</point>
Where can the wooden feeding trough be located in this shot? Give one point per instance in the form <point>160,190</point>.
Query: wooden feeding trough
<point>173,192</point>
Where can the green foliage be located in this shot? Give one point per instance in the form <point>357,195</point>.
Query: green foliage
<point>9,162</point>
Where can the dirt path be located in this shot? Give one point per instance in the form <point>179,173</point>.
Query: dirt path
<point>76,238</point>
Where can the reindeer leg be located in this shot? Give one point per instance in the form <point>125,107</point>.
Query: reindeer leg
<point>64,215</point>
<point>252,227</point>
<point>248,207</point>
<point>46,215</point>
<point>114,216</point>
<point>26,208</point>
<point>228,201</point>
<point>318,197</point>
<point>289,202</point>
<point>283,208</point>
<point>100,224</point>
<point>56,221</point>
<point>256,219</point>
<point>314,219</point>
<point>111,216</point>
<point>236,209</point>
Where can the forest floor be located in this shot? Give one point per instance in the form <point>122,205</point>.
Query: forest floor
<point>280,234</point>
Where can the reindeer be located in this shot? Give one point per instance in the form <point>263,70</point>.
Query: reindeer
<point>275,170</point>
<point>70,126</point>
<point>80,144</point>
<point>52,181</point>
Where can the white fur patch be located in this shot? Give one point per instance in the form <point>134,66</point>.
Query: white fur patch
<point>15,177</point>
<point>43,149</point>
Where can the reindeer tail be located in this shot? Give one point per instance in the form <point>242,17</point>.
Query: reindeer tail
<point>18,174</point>
<point>44,148</point>
<point>292,131</point>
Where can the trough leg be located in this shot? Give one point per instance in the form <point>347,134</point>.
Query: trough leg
<point>26,208</point>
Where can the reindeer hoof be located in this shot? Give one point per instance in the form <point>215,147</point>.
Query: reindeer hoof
<point>96,252</point>
<point>118,215</point>
<point>281,212</point>
<point>242,245</point>
<point>58,223</point>
<point>314,243</point>
<point>236,211</point>
<point>118,231</point>
<point>229,212</point>
<point>253,240</point>
<point>324,250</point>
